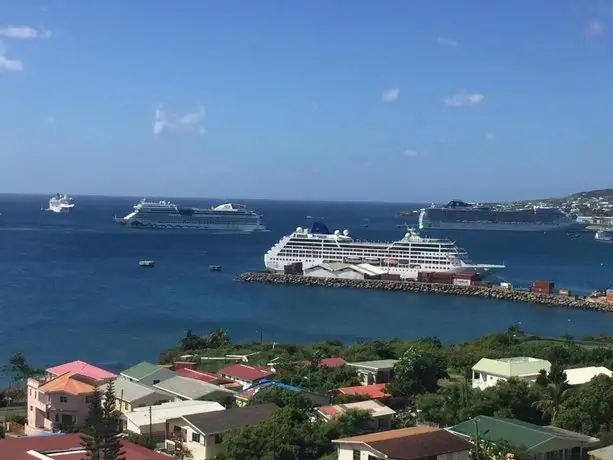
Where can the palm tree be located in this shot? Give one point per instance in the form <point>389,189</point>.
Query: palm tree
<point>555,394</point>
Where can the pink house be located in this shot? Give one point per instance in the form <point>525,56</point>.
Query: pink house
<point>60,400</point>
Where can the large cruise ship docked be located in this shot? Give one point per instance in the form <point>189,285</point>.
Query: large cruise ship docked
<point>458,215</point>
<point>406,257</point>
<point>225,218</point>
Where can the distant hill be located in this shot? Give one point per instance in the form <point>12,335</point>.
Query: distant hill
<point>605,192</point>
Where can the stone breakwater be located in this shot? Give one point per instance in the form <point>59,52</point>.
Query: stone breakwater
<point>484,292</point>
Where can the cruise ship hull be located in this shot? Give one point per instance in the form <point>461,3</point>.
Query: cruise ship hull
<point>211,228</point>
<point>495,226</point>
<point>484,270</point>
<point>60,209</point>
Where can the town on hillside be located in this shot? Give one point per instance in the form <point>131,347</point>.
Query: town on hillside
<point>505,395</point>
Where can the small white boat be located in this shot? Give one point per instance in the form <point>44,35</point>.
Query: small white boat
<point>147,263</point>
<point>604,236</point>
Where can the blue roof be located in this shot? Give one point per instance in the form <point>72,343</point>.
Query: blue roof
<point>265,383</point>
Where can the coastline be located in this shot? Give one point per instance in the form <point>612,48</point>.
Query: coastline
<point>485,292</point>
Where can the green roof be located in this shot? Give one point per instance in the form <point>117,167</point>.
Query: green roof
<point>516,432</point>
<point>141,370</point>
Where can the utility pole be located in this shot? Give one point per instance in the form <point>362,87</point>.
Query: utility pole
<point>150,425</point>
<point>476,439</point>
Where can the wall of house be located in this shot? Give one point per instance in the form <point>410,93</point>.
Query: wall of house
<point>44,410</point>
<point>158,430</point>
<point>345,452</point>
<point>370,377</point>
<point>483,380</point>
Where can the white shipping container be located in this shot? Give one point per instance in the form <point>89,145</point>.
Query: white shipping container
<point>506,286</point>
<point>461,282</point>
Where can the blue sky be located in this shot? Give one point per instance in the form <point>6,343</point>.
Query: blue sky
<point>420,100</point>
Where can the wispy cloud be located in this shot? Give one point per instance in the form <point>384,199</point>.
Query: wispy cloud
<point>594,29</point>
<point>51,120</point>
<point>410,153</point>
<point>23,32</point>
<point>464,99</point>
<point>390,94</point>
<point>7,64</point>
<point>316,107</point>
<point>190,121</point>
<point>448,42</point>
<point>489,137</point>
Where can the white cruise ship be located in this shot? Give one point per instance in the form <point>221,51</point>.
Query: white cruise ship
<point>225,218</point>
<point>406,257</point>
<point>458,215</point>
<point>61,203</point>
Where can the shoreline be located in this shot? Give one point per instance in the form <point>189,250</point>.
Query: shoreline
<point>484,292</point>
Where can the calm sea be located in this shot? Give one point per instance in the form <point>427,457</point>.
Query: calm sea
<point>71,287</point>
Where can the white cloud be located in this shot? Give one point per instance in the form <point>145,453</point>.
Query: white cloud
<point>594,29</point>
<point>411,153</point>
<point>390,94</point>
<point>489,136</point>
<point>449,42</point>
<point>50,120</point>
<point>187,122</point>
<point>23,32</point>
<point>464,99</point>
<point>7,64</point>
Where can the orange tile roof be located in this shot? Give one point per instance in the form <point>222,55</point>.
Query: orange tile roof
<point>374,391</point>
<point>67,383</point>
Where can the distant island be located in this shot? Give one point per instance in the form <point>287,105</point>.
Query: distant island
<point>592,203</point>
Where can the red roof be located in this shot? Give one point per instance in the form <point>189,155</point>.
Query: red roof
<point>197,375</point>
<point>244,372</point>
<point>329,362</point>
<point>375,391</point>
<point>17,448</point>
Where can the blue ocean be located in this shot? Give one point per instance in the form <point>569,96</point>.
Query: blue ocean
<point>71,287</point>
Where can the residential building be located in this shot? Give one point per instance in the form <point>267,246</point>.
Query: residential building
<point>374,391</point>
<point>378,371</point>
<point>581,375</point>
<point>380,413</point>
<point>604,453</point>
<point>243,397</point>
<point>202,434</point>
<point>131,395</point>
<point>539,442</point>
<point>487,372</point>
<point>415,443</point>
<point>58,402</point>
<point>64,447</point>
<point>244,374</point>
<point>151,420</point>
<point>81,368</point>
<point>329,362</point>
<point>147,373</point>
<point>207,377</point>
<point>183,388</point>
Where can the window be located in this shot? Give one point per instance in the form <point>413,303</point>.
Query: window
<point>196,437</point>
<point>218,438</point>
<point>63,399</point>
<point>476,375</point>
<point>31,408</point>
<point>155,382</point>
<point>432,457</point>
<point>356,455</point>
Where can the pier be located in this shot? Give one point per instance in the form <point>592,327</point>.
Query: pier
<point>484,292</point>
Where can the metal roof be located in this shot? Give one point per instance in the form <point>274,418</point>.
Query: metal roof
<point>512,367</point>
<point>162,412</point>
<point>129,391</point>
<point>375,365</point>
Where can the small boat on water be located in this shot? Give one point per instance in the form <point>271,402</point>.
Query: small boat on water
<point>215,268</point>
<point>604,236</point>
<point>147,263</point>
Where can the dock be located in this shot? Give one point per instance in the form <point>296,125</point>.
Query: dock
<point>484,291</point>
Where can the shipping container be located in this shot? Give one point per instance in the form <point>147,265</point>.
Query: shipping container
<point>543,287</point>
<point>565,292</point>
<point>610,297</point>
<point>468,276</point>
<point>507,286</point>
<point>390,277</point>
<point>461,282</point>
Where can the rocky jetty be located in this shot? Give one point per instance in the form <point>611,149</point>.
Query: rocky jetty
<point>554,300</point>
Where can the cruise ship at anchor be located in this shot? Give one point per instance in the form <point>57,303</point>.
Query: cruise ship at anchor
<point>225,218</point>
<point>60,203</point>
<point>458,215</point>
<point>406,257</point>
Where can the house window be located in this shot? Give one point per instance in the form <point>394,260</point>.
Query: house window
<point>476,375</point>
<point>218,438</point>
<point>196,437</point>
<point>31,408</point>
<point>57,417</point>
<point>63,399</point>
<point>356,455</point>
<point>88,399</point>
<point>155,382</point>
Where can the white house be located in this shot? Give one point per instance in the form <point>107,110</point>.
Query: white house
<point>487,372</point>
<point>421,442</point>
<point>582,375</point>
<point>152,419</point>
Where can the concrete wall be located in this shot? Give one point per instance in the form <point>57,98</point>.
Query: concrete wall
<point>483,380</point>
<point>345,452</point>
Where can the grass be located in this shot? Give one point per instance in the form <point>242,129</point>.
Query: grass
<point>6,412</point>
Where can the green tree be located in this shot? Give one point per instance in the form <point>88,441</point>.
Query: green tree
<point>191,341</point>
<point>282,397</point>
<point>554,396</point>
<point>353,422</point>
<point>92,436</point>
<point>218,338</point>
<point>111,426</point>
<point>417,371</point>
